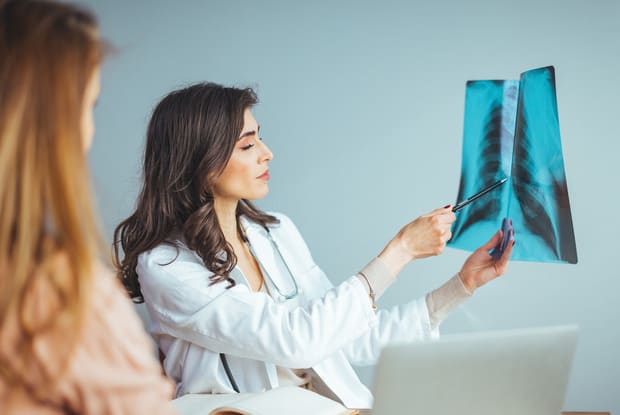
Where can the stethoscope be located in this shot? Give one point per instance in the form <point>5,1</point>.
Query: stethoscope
<point>287,296</point>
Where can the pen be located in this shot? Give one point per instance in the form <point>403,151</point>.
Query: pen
<point>484,191</point>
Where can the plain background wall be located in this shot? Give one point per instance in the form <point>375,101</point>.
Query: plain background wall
<point>362,105</point>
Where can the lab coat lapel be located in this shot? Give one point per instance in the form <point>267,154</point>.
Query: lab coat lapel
<point>269,259</point>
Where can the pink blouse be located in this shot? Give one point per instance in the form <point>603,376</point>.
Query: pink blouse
<point>111,369</point>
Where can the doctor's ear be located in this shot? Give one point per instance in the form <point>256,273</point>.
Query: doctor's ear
<point>206,197</point>
<point>213,177</point>
<point>207,192</point>
<point>210,187</point>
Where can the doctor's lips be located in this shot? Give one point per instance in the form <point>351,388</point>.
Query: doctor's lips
<point>264,176</point>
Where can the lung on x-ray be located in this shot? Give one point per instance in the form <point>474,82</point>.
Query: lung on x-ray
<point>511,129</point>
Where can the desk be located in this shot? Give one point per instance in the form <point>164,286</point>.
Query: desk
<point>202,404</point>
<point>367,412</point>
<point>586,413</point>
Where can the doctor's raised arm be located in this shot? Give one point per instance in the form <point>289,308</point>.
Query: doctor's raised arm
<point>236,301</point>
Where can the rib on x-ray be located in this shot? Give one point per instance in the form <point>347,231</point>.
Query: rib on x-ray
<point>511,129</point>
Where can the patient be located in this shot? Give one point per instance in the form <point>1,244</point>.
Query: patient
<point>69,339</point>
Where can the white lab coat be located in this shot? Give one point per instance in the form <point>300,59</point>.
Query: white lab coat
<point>326,328</point>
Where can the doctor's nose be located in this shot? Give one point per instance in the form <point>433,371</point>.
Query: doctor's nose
<point>265,154</point>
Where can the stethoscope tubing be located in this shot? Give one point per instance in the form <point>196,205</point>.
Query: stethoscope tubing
<point>295,291</point>
<point>292,295</point>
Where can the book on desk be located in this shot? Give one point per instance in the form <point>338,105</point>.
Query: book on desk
<point>279,401</point>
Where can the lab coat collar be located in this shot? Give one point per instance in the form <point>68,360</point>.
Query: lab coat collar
<point>268,258</point>
<point>248,224</point>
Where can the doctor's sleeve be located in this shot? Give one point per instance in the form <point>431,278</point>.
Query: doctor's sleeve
<point>414,321</point>
<point>249,324</point>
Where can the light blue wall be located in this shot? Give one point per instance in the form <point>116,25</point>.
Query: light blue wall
<point>362,104</point>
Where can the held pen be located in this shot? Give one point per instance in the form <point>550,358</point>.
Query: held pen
<point>481,193</point>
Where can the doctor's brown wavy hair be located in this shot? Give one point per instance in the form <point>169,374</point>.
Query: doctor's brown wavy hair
<point>189,140</point>
<point>49,235</point>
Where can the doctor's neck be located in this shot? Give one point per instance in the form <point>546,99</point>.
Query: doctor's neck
<point>226,209</point>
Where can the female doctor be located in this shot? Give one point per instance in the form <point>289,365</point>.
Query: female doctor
<point>237,303</point>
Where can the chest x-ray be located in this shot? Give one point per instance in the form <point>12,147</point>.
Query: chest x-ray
<point>511,130</point>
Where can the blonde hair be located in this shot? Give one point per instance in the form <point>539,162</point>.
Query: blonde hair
<point>48,53</point>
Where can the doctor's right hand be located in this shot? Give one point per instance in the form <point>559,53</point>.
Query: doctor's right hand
<point>424,237</point>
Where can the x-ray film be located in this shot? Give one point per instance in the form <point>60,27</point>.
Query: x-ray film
<point>511,129</point>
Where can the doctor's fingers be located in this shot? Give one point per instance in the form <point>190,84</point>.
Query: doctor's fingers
<point>501,265</point>
<point>446,208</point>
<point>425,236</point>
<point>439,211</point>
<point>441,223</point>
<point>428,227</point>
<point>444,215</point>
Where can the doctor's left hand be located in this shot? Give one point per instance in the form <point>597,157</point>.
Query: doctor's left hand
<point>481,267</point>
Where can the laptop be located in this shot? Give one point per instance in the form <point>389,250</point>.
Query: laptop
<point>514,372</point>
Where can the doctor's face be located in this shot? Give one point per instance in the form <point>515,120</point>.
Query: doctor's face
<point>246,174</point>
